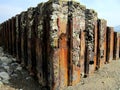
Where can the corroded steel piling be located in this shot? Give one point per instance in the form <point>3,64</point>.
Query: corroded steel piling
<point>1,34</point>
<point>60,42</point>
<point>109,43</point>
<point>13,37</point>
<point>91,40</point>
<point>116,46</point>
<point>30,41</point>
<point>101,42</point>
<point>119,45</point>
<point>18,38</point>
<point>39,20</point>
<point>77,27</point>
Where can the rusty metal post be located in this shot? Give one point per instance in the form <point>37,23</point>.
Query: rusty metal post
<point>58,46</point>
<point>119,46</point>
<point>102,26</point>
<point>18,39</point>
<point>1,34</point>
<point>6,35</point>
<point>39,45</point>
<point>13,37</point>
<point>30,41</point>
<point>118,35</point>
<point>95,44</point>
<point>75,49</point>
<point>11,33</point>
<point>91,41</point>
<point>4,43</point>
<point>116,46</point>
<point>29,25</point>
<point>33,42</point>
<point>63,50</point>
<point>65,46</point>
<point>10,36</point>
<point>23,25</point>
<point>77,43</point>
<point>109,43</point>
<point>82,53</point>
<point>8,29</point>
<point>59,41</point>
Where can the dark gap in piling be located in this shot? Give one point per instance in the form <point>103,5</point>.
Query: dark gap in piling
<point>11,46</point>
<point>33,45</point>
<point>98,48</point>
<point>115,45</point>
<point>19,40</point>
<point>107,44</point>
<point>45,48</point>
<point>70,45</point>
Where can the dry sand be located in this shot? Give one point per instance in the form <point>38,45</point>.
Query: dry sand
<point>106,78</point>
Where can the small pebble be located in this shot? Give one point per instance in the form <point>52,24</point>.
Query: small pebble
<point>5,81</point>
<point>6,67</point>
<point>14,64</point>
<point>1,83</point>
<point>28,78</point>
<point>4,75</point>
<point>4,64</point>
<point>14,75</point>
<point>13,59</point>
<point>19,68</point>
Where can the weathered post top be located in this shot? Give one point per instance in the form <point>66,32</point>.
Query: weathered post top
<point>63,1</point>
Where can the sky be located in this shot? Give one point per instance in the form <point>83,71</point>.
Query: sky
<point>106,9</point>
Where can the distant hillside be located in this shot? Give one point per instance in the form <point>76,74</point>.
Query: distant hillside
<point>117,28</point>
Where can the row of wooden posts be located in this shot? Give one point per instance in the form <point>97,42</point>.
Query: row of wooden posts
<point>50,59</point>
